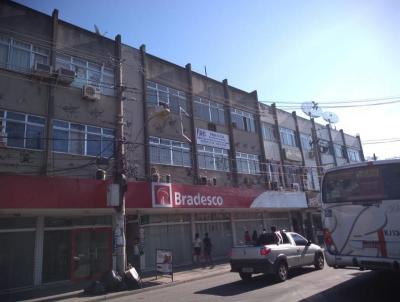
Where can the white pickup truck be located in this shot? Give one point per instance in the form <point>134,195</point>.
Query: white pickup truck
<point>276,258</point>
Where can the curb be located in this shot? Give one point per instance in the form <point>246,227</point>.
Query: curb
<point>116,295</point>
<point>146,289</point>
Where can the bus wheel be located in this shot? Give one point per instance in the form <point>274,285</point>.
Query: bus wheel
<point>319,261</point>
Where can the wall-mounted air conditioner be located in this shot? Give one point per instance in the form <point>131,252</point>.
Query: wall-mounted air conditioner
<point>42,70</point>
<point>296,186</point>
<point>91,92</point>
<point>212,127</point>
<point>65,76</point>
<point>203,180</point>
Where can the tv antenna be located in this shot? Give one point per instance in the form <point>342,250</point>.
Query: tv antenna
<point>311,109</point>
<point>330,117</point>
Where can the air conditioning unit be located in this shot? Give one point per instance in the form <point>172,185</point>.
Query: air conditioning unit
<point>311,154</point>
<point>203,180</point>
<point>296,186</point>
<point>91,92</point>
<point>212,127</point>
<point>65,76</point>
<point>305,185</point>
<point>42,70</point>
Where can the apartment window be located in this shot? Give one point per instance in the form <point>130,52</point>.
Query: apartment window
<point>169,152</point>
<point>22,130</point>
<point>213,158</point>
<point>88,73</point>
<point>157,93</point>
<point>268,132</point>
<point>243,120</point>
<point>305,142</point>
<point>247,163</point>
<point>288,137</point>
<point>354,155</point>
<point>21,56</point>
<point>81,139</point>
<point>338,150</point>
<point>209,111</point>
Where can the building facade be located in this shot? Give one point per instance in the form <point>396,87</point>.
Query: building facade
<point>199,155</point>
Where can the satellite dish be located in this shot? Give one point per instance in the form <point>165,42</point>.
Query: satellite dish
<point>330,117</point>
<point>311,109</point>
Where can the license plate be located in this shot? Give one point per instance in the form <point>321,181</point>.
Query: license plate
<point>247,270</point>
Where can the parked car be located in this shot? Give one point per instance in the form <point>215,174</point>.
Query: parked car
<point>275,258</point>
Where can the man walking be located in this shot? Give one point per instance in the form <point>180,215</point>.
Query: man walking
<point>207,246</point>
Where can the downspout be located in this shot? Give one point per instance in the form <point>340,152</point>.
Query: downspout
<point>145,114</point>
<point>195,165</point>
<point>48,155</point>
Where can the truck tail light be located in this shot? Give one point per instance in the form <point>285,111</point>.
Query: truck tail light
<point>264,251</point>
<point>330,245</point>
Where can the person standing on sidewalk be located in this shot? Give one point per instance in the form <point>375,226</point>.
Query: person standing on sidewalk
<point>196,248</point>
<point>207,247</point>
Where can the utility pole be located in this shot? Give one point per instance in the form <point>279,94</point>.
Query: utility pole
<point>119,177</point>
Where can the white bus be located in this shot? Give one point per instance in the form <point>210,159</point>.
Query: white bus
<point>361,215</point>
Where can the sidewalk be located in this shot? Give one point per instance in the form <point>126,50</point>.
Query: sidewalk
<point>181,275</point>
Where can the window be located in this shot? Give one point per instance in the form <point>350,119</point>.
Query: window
<point>88,73</point>
<point>338,150</point>
<point>243,120</point>
<point>354,155</point>
<point>22,130</point>
<point>213,158</point>
<point>306,142</point>
<point>81,139</point>
<point>299,240</point>
<point>247,163</point>
<point>157,93</point>
<point>288,137</point>
<point>21,56</point>
<point>169,152</point>
<point>209,111</point>
<point>268,132</point>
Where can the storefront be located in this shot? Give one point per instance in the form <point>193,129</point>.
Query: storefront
<point>167,216</point>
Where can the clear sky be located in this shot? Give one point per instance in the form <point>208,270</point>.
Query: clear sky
<point>289,51</point>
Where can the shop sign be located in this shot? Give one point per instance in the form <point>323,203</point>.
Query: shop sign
<point>164,262</point>
<point>161,195</point>
<point>291,154</point>
<point>212,139</point>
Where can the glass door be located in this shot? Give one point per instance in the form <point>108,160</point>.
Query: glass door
<point>91,253</point>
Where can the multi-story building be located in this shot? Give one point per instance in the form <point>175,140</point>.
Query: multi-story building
<point>199,155</point>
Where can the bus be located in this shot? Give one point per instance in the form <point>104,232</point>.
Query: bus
<point>361,215</point>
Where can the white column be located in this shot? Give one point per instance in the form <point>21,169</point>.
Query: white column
<point>38,260</point>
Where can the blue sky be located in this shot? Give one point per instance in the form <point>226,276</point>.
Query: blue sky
<point>289,51</point>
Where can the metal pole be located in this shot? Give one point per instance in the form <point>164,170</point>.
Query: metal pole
<point>119,178</point>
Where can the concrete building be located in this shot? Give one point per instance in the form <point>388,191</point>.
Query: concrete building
<point>199,155</point>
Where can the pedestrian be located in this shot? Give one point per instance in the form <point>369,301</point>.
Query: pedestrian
<point>196,248</point>
<point>207,246</point>
<point>247,238</point>
<point>278,235</point>
<point>254,237</point>
<point>263,239</point>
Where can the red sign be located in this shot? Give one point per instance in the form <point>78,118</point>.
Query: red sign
<point>161,195</point>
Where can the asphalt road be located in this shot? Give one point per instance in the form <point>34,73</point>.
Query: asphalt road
<point>304,285</point>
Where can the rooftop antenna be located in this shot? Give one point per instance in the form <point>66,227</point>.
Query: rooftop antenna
<point>311,109</point>
<point>330,117</point>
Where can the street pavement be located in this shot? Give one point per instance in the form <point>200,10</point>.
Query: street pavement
<point>218,284</point>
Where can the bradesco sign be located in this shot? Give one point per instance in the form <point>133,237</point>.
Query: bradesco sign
<point>166,195</point>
